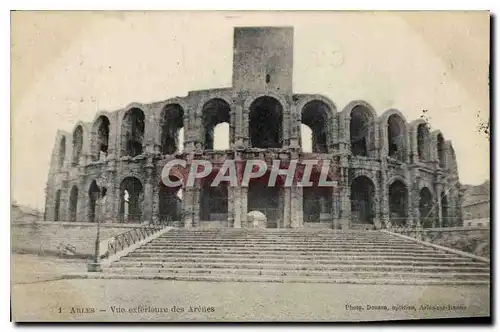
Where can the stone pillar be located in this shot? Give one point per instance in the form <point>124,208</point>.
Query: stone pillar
<point>147,204</point>
<point>244,206</point>
<point>410,214</point>
<point>245,126</point>
<point>345,201</point>
<point>187,206</point>
<point>233,208</point>
<point>64,201</point>
<point>439,221</point>
<point>196,204</point>
<point>416,202</point>
<point>189,130</point>
<point>287,209</point>
<point>439,189</point>
<point>294,127</point>
<point>383,197</point>
<point>336,207</point>
<point>155,203</point>
<point>296,212</point>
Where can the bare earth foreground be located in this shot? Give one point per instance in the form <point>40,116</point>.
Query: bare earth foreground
<point>38,294</point>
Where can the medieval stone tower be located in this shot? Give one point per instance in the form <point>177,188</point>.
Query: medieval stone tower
<point>389,171</point>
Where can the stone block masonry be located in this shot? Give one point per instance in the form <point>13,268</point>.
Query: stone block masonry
<point>390,172</point>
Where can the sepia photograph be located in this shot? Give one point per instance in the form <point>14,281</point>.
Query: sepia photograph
<point>250,166</point>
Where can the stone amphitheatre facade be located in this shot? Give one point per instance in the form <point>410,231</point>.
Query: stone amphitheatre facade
<point>389,170</point>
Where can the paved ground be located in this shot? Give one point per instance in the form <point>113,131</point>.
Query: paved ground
<point>38,294</point>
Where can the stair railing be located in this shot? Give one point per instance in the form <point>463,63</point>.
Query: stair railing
<point>132,236</point>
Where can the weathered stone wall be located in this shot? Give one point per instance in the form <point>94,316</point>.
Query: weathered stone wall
<point>440,178</point>
<point>46,238</point>
<point>474,240</point>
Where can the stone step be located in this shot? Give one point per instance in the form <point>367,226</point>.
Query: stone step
<point>277,241</point>
<point>329,253</point>
<point>303,267</point>
<point>305,230</point>
<point>307,273</point>
<point>279,279</point>
<point>304,245</point>
<point>274,236</point>
<point>305,260</point>
<point>267,236</point>
<point>168,248</point>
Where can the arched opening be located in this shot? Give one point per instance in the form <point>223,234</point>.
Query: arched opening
<point>360,128</point>
<point>170,203</point>
<point>266,199</point>
<point>315,116</point>
<point>131,198</point>
<point>214,202</point>
<point>317,204</point>
<point>423,142</point>
<point>444,212</point>
<point>362,200</point>
<point>133,126</point>
<point>172,129</point>
<point>57,205</point>
<point>216,112</point>
<point>62,152</point>
<point>73,203</point>
<point>100,138</point>
<point>221,136</point>
<point>398,203</point>
<point>93,197</point>
<point>306,138</point>
<point>426,208</point>
<point>441,151</point>
<point>396,137</point>
<point>266,123</point>
<point>77,144</point>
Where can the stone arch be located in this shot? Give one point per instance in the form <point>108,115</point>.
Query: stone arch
<point>61,152</point>
<point>215,112</point>
<point>422,140</point>
<point>360,127</point>
<point>398,202</point>
<point>93,194</point>
<point>317,115</point>
<point>214,200</point>
<point>169,202</point>
<point>77,144</point>
<point>266,122</point>
<point>73,203</point>
<point>100,138</point>
<point>131,200</point>
<point>132,132</point>
<point>317,202</point>
<point>440,149</point>
<point>366,173</point>
<point>395,134</point>
<point>426,208</point>
<point>266,199</point>
<point>281,129</point>
<point>57,205</point>
<point>397,178</point>
<point>362,198</point>
<point>171,127</point>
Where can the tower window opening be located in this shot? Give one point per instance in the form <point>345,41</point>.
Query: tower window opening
<point>268,78</point>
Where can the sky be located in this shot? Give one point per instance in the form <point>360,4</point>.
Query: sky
<point>66,66</point>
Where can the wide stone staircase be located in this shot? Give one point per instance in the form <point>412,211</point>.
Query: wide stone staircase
<point>322,256</point>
